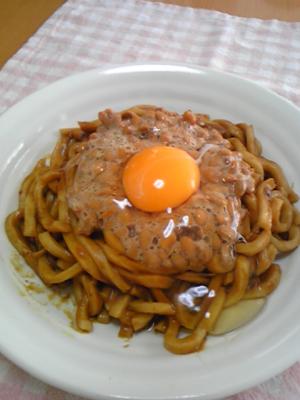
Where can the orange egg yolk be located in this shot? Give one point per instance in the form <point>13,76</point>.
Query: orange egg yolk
<point>160,177</point>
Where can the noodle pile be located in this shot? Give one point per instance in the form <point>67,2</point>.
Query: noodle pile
<point>107,285</point>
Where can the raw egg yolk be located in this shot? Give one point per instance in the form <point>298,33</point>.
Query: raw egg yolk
<point>160,177</point>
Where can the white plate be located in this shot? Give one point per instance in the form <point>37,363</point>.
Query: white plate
<point>98,365</point>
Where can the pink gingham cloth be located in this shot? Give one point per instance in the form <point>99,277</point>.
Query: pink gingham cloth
<point>85,34</point>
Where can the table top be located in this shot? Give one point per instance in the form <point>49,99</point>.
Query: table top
<point>285,10</point>
<point>20,19</point>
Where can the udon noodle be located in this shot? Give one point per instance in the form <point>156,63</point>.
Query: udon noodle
<point>74,224</point>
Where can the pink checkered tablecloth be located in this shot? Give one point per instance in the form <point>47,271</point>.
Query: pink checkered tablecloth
<point>85,34</point>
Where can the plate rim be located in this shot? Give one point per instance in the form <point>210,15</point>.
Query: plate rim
<point>136,67</point>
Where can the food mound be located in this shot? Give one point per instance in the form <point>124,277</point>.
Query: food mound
<point>153,218</point>
<point>176,240</point>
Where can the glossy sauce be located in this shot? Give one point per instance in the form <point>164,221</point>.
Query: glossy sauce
<point>179,239</point>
